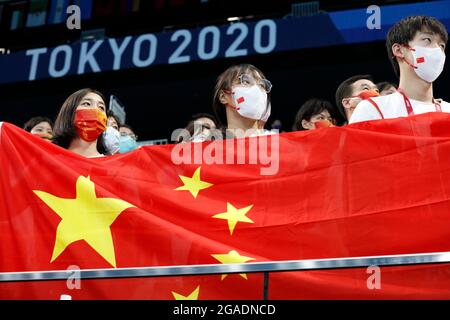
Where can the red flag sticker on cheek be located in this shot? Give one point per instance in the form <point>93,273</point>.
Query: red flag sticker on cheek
<point>240,100</point>
<point>420,60</point>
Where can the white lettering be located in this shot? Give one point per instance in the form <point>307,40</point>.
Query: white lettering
<point>74,278</point>
<point>374,281</point>
<point>34,61</point>
<point>118,50</point>
<point>87,56</point>
<point>373,21</point>
<point>272,36</point>
<point>52,71</point>
<point>153,42</point>
<point>73,21</point>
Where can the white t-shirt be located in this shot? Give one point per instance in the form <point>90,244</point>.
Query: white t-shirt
<point>392,106</point>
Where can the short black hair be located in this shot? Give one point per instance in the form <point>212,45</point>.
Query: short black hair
<point>385,85</point>
<point>127,126</point>
<point>203,115</point>
<point>110,114</point>
<point>190,125</point>
<point>30,124</point>
<point>345,90</point>
<point>311,108</point>
<point>405,30</point>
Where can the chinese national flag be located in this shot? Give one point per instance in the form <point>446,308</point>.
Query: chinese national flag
<point>373,188</point>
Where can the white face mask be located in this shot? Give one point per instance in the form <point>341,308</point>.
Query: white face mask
<point>251,102</point>
<point>111,140</point>
<point>266,115</point>
<point>428,62</point>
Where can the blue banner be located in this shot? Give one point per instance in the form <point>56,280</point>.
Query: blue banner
<point>212,42</point>
<point>58,11</point>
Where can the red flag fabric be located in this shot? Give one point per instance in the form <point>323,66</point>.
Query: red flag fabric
<point>372,188</point>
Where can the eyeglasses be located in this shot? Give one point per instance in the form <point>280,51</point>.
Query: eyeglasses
<point>248,81</point>
<point>131,135</point>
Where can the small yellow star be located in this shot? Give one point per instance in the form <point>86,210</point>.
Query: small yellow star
<point>192,296</point>
<point>234,215</point>
<point>85,218</point>
<point>232,257</point>
<point>194,184</point>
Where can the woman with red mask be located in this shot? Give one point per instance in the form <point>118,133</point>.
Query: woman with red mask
<point>314,114</point>
<point>41,127</point>
<point>81,122</point>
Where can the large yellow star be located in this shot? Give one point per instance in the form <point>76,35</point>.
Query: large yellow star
<point>234,215</point>
<point>192,296</point>
<point>85,218</point>
<point>193,184</point>
<point>232,257</point>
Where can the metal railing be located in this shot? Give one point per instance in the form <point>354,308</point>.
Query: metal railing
<point>255,267</point>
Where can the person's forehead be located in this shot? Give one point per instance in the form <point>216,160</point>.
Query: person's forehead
<point>93,96</point>
<point>323,113</point>
<point>389,88</point>
<point>427,32</point>
<point>362,83</point>
<point>126,130</point>
<point>43,124</point>
<point>205,120</point>
<point>251,73</point>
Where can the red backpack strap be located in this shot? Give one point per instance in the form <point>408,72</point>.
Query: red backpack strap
<point>376,107</point>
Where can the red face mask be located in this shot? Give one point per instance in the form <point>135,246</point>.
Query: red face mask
<point>45,136</point>
<point>323,124</point>
<point>366,94</point>
<point>90,123</point>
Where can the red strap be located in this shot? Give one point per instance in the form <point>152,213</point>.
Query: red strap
<point>229,105</point>
<point>232,107</point>
<point>376,107</point>
<point>437,105</point>
<point>408,105</point>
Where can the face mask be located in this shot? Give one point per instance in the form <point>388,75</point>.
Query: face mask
<point>364,95</point>
<point>45,136</point>
<point>266,115</point>
<point>90,123</point>
<point>323,124</point>
<point>250,102</point>
<point>127,144</point>
<point>428,62</point>
<point>111,140</point>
